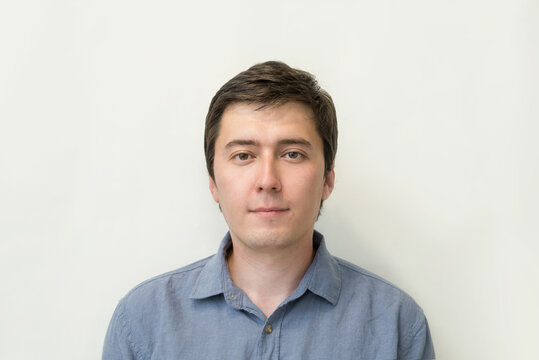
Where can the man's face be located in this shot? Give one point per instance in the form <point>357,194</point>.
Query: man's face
<point>269,174</point>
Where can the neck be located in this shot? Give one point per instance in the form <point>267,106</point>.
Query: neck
<point>268,277</point>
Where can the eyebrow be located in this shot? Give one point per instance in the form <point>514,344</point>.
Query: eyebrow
<point>288,141</point>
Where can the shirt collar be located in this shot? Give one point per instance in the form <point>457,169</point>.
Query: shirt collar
<point>214,276</point>
<point>323,277</point>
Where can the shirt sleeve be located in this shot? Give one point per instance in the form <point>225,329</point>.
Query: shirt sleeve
<point>419,345</point>
<point>119,343</point>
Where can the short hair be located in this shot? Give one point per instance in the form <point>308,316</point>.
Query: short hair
<point>274,83</point>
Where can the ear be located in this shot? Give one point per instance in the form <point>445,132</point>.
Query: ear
<point>213,189</point>
<point>329,183</point>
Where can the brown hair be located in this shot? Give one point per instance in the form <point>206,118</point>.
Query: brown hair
<point>274,83</point>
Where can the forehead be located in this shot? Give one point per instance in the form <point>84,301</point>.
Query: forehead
<point>246,120</point>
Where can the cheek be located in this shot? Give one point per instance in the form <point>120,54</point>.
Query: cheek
<point>309,184</point>
<point>232,188</point>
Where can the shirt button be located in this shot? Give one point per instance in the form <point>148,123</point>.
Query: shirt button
<point>268,329</point>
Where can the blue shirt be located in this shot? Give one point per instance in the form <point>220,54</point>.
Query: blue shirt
<point>338,311</point>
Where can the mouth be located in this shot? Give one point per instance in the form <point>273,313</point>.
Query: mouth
<point>268,211</point>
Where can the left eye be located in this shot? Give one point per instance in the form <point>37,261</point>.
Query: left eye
<point>293,155</point>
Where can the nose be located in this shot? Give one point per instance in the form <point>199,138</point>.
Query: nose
<point>268,177</point>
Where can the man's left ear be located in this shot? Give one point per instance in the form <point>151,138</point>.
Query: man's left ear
<point>329,183</point>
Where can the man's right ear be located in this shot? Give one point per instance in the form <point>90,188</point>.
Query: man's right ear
<point>213,189</point>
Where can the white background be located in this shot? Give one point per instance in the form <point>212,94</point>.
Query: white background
<point>103,181</point>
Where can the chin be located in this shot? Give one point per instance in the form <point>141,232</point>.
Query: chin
<point>270,238</point>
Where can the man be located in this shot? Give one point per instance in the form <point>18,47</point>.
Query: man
<point>272,291</point>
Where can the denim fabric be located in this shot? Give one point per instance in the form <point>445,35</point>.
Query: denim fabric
<point>338,311</point>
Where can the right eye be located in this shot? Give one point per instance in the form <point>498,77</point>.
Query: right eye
<point>242,156</point>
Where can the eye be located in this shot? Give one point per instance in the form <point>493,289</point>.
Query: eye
<point>242,156</point>
<point>293,155</point>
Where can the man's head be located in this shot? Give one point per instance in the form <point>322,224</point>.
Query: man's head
<point>270,142</point>
<point>273,83</point>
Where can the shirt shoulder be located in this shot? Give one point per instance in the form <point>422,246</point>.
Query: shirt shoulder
<point>356,273</point>
<point>151,294</point>
<point>382,303</point>
<point>360,286</point>
<point>141,313</point>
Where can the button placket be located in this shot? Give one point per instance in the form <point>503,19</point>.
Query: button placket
<point>269,340</point>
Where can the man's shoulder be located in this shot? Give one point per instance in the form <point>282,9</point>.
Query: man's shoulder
<point>370,299</point>
<point>367,287</point>
<point>357,273</point>
<point>175,282</point>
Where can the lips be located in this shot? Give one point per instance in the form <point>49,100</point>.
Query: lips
<point>269,211</point>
